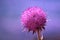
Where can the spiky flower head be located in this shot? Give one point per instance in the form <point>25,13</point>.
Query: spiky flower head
<point>33,18</point>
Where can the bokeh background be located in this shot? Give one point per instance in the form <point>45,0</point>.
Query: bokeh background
<point>11,10</point>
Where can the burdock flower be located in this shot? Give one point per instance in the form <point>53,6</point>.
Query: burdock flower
<point>33,18</point>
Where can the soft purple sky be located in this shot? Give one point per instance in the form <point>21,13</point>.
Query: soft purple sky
<point>11,10</point>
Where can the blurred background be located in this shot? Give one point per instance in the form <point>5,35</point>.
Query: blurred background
<point>11,10</point>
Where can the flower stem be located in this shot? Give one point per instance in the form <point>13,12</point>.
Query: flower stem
<point>39,35</point>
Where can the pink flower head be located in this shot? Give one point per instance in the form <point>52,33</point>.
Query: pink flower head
<point>33,18</point>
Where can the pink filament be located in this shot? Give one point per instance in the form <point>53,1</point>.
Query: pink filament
<point>33,18</point>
